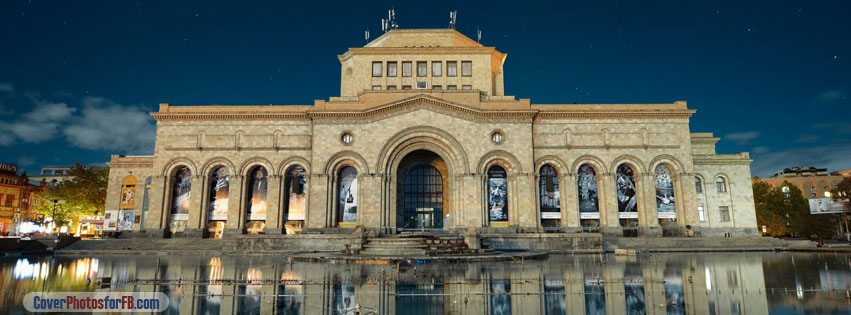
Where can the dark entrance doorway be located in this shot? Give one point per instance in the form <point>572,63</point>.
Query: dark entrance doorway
<point>423,198</point>
<point>420,186</point>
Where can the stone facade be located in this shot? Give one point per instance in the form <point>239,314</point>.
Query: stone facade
<point>383,133</point>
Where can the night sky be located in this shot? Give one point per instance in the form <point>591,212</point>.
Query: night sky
<point>77,78</point>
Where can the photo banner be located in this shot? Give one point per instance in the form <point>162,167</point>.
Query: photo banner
<point>828,206</point>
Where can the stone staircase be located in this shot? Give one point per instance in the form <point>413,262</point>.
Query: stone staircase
<point>420,244</point>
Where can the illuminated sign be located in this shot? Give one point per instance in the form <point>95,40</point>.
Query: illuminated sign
<point>8,168</point>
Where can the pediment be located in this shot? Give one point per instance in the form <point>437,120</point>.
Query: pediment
<point>423,102</point>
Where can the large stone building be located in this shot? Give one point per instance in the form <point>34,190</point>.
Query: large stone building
<point>421,137</point>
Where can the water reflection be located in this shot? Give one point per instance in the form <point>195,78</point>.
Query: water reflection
<point>728,283</point>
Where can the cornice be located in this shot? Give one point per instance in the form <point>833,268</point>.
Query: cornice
<point>159,116</point>
<point>616,114</point>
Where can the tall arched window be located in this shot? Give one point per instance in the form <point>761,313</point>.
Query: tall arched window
<point>698,185</point>
<point>295,186</point>
<point>549,196</point>
<point>589,211</point>
<point>146,201</point>
<point>665,193</point>
<point>258,187</point>
<point>720,185</point>
<point>217,212</point>
<point>347,197</point>
<point>625,186</point>
<point>497,194</point>
<point>180,196</point>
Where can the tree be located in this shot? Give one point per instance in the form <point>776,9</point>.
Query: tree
<point>842,190</point>
<point>84,194</point>
<point>802,222</point>
<point>768,203</point>
<point>788,213</point>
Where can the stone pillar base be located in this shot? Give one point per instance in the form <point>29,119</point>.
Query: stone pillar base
<point>650,231</point>
<point>611,230</point>
<point>572,229</point>
<point>156,233</point>
<point>133,234</point>
<point>231,233</point>
<point>273,231</point>
<point>191,233</point>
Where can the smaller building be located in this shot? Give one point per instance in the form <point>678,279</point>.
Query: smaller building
<point>843,173</point>
<point>17,198</point>
<point>53,174</point>
<point>813,182</point>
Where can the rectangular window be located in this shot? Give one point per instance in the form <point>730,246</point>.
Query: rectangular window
<point>451,87</point>
<point>451,68</point>
<point>376,88</point>
<point>376,68</point>
<point>406,68</point>
<point>720,186</point>
<point>436,68</point>
<point>391,87</point>
<point>725,213</point>
<point>436,87</point>
<point>47,173</point>
<point>391,69</point>
<point>10,199</point>
<point>421,85</point>
<point>697,186</point>
<point>422,69</point>
<point>467,68</point>
<point>701,214</point>
<point>406,87</point>
<point>467,87</point>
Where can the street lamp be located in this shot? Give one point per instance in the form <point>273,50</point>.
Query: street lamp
<point>54,201</point>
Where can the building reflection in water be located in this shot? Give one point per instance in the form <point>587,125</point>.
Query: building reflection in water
<point>732,283</point>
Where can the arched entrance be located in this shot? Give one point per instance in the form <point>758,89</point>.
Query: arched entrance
<point>420,192</point>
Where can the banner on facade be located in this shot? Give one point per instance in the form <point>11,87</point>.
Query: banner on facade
<point>110,220</point>
<point>550,215</point>
<point>589,215</point>
<point>125,220</point>
<point>827,206</point>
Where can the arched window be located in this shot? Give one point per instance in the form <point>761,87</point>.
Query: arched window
<point>721,185</point>
<point>347,197</point>
<point>587,186</point>
<point>625,186</point>
<point>549,196</point>
<point>180,196</point>
<point>295,186</point>
<point>218,209</point>
<point>258,187</point>
<point>813,193</point>
<point>497,194</point>
<point>698,185</point>
<point>128,193</point>
<point>665,193</point>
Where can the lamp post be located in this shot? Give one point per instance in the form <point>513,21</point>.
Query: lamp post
<point>54,201</point>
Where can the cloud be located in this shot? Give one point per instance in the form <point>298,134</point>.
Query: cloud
<point>833,157</point>
<point>106,125</point>
<point>6,87</point>
<point>97,124</point>
<point>760,150</point>
<point>836,128</point>
<point>39,125</point>
<point>26,161</point>
<point>742,138</point>
<point>830,96</point>
<point>807,139</point>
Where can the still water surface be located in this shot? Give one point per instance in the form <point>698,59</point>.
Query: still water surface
<point>712,283</point>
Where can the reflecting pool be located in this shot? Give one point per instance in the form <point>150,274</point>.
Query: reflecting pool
<point>711,283</point>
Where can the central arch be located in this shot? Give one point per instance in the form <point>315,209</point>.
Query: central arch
<point>421,180</point>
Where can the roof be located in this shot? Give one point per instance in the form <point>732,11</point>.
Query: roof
<point>423,38</point>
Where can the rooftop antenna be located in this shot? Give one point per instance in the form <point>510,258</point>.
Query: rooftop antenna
<point>478,34</point>
<point>453,16</point>
<point>390,22</point>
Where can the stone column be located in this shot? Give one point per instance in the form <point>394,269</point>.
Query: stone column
<point>235,204</point>
<point>651,226</point>
<point>158,212</point>
<point>317,212</point>
<point>274,206</point>
<point>570,204</point>
<point>607,204</point>
<point>193,227</point>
